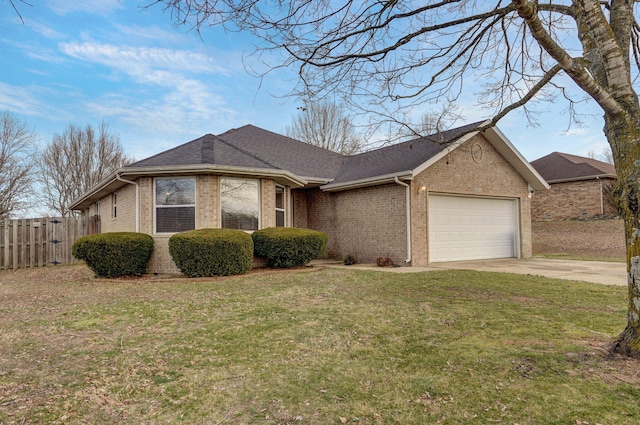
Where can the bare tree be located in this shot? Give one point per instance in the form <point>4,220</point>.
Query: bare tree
<point>75,161</point>
<point>17,150</point>
<point>325,124</point>
<point>605,155</point>
<point>399,54</point>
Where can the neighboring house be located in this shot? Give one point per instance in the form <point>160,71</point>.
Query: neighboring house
<point>457,195</point>
<point>579,187</point>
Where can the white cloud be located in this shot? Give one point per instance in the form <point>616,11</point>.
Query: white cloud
<point>152,33</point>
<point>141,61</point>
<point>21,100</point>
<point>45,30</point>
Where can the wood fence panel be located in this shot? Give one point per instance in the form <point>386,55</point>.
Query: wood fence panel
<point>39,242</point>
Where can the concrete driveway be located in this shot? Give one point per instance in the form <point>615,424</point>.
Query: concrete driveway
<point>606,273</point>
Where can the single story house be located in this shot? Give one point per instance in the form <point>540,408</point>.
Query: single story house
<point>457,195</point>
<point>579,187</point>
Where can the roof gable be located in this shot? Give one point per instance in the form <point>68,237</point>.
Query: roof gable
<point>405,160</point>
<point>558,166</point>
<point>401,157</point>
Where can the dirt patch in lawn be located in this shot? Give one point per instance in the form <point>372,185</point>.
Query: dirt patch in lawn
<point>588,239</point>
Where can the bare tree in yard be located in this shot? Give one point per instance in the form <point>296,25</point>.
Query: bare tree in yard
<point>17,149</point>
<point>324,124</point>
<point>605,156</point>
<point>75,161</point>
<point>399,54</point>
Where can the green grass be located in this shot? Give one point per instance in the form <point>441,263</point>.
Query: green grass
<point>320,346</point>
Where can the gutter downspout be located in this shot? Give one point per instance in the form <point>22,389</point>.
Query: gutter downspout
<point>137,185</point>
<point>408,201</point>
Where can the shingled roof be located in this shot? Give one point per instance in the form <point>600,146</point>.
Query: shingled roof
<point>251,147</point>
<point>252,151</point>
<point>562,167</point>
<point>406,156</point>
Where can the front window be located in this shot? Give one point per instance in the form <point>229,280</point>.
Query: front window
<point>175,204</point>
<point>240,203</point>
<point>280,206</point>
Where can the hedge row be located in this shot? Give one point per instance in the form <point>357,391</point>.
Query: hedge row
<point>212,252</point>
<point>204,252</point>
<point>287,247</point>
<point>115,254</point>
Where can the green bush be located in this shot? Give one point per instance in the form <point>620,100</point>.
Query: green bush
<point>350,260</point>
<point>115,254</point>
<point>288,247</point>
<point>212,252</point>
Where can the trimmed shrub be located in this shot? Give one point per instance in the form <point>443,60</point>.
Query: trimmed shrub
<point>287,247</point>
<point>350,260</point>
<point>115,254</point>
<point>384,262</point>
<point>212,252</point>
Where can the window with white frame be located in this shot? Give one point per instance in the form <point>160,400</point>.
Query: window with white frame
<point>175,204</point>
<point>280,210</point>
<point>114,204</point>
<point>240,203</point>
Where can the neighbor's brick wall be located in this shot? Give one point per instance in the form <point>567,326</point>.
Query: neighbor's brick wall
<point>571,200</point>
<point>459,173</point>
<point>367,223</point>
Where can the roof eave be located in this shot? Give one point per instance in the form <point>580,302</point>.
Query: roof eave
<point>582,178</point>
<point>371,181</point>
<point>111,183</point>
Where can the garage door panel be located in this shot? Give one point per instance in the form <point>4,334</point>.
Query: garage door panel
<point>462,228</point>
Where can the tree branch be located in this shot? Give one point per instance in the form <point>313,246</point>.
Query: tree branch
<point>530,94</point>
<point>575,69</point>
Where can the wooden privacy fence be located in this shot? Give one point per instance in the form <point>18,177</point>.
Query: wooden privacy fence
<point>39,242</point>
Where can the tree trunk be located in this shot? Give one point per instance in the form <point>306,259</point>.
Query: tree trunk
<point>623,133</point>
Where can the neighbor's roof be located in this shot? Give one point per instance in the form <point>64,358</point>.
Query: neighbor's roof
<point>563,167</point>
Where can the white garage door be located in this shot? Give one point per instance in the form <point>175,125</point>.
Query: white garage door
<point>472,228</point>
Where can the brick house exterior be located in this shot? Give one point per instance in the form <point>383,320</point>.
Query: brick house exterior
<point>579,187</point>
<point>377,203</point>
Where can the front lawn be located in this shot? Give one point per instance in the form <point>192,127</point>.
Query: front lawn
<point>312,346</point>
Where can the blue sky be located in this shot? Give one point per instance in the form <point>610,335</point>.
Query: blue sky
<point>158,86</point>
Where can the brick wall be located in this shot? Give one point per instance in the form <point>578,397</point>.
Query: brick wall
<point>267,203</point>
<point>125,217</point>
<point>367,223</point>
<point>207,201</point>
<point>572,199</point>
<point>299,208</point>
